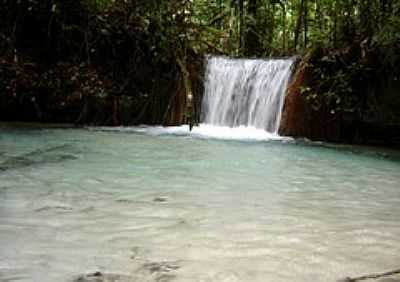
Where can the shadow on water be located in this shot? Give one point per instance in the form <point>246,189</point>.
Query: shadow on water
<point>368,151</point>
<point>38,157</point>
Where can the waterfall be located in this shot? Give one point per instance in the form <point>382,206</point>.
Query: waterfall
<point>245,92</point>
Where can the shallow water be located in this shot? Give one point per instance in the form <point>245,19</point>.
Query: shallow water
<point>163,205</point>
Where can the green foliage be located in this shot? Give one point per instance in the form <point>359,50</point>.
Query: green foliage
<point>232,27</point>
<point>341,80</point>
<point>132,46</point>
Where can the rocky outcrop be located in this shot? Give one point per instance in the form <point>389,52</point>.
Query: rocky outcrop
<point>338,96</point>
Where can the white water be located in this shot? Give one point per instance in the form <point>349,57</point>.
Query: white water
<point>242,133</point>
<point>245,93</point>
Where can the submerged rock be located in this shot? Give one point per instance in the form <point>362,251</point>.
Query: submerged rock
<point>55,154</point>
<point>158,271</point>
<point>59,208</point>
<point>160,267</point>
<point>165,278</point>
<point>103,277</point>
<point>160,199</point>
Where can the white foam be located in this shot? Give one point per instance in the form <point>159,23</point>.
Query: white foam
<point>242,92</point>
<point>242,133</point>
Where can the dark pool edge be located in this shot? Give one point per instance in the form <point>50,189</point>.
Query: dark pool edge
<point>296,140</point>
<point>37,125</point>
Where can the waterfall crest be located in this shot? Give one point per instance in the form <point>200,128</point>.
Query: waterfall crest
<point>245,92</point>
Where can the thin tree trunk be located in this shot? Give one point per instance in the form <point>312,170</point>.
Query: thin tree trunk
<point>298,24</point>
<point>221,8</point>
<point>366,18</point>
<point>284,26</point>
<point>251,36</point>
<point>241,24</point>
<point>335,24</point>
<point>231,22</point>
<point>318,15</point>
<point>115,111</point>
<point>305,23</point>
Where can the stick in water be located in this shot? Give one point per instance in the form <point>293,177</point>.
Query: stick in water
<point>371,276</point>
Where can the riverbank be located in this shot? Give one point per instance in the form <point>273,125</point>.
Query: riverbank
<point>36,125</point>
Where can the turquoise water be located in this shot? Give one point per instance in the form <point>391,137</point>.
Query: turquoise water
<point>162,205</point>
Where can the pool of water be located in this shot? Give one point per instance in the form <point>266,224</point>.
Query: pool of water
<point>158,204</point>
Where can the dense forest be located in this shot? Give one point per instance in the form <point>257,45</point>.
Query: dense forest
<point>142,61</point>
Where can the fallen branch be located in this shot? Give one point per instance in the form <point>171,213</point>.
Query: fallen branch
<point>371,276</point>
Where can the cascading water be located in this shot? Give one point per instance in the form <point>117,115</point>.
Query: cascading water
<point>243,100</point>
<point>245,92</point>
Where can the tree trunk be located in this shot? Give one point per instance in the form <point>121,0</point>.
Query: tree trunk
<point>221,8</point>
<point>284,26</point>
<point>366,18</point>
<point>115,114</point>
<point>319,16</point>
<point>305,23</point>
<point>335,24</point>
<point>251,40</point>
<point>241,24</point>
<point>298,24</point>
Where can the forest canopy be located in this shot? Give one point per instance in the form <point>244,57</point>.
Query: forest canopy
<point>232,27</point>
